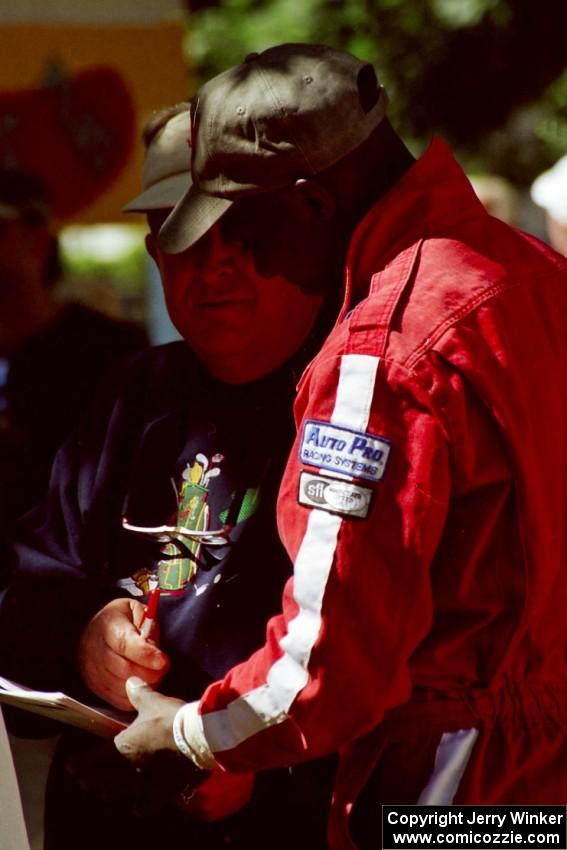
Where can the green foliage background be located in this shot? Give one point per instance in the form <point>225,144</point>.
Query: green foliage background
<point>488,75</point>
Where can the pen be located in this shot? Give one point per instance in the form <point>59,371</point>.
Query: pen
<point>150,613</point>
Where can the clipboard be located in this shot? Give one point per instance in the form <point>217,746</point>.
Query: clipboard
<point>103,721</point>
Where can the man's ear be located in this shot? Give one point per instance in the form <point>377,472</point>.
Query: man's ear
<point>151,245</point>
<point>317,197</point>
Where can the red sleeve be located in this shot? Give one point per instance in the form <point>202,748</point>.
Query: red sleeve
<point>360,599</point>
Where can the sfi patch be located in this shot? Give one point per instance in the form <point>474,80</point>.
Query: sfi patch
<point>343,450</point>
<point>331,494</point>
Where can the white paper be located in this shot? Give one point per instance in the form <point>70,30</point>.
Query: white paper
<point>105,722</point>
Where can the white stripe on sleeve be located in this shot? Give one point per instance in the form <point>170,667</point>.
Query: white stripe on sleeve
<point>355,390</point>
<point>269,704</point>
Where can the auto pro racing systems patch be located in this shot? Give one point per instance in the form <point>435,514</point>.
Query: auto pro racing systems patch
<point>343,450</point>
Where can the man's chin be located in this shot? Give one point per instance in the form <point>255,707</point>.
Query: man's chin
<point>222,354</point>
<point>236,365</point>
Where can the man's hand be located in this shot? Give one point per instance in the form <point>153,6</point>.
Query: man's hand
<point>152,730</point>
<point>148,742</point>
<point>217,795</point>
<point>111,650</point>
<point>144,770</point>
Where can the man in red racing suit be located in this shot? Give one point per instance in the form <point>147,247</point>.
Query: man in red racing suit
<point>423,633</point>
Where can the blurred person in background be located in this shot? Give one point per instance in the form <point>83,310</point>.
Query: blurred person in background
<point>193,434</point>
<point>52,354</point>
<point>549,191</point>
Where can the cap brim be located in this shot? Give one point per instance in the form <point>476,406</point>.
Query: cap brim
<point>163,195</point>
<point>193,216</point>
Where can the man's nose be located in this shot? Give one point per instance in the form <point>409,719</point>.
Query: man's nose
<point>218,259</point>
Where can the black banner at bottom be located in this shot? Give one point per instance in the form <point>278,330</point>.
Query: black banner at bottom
<point>480,827</point>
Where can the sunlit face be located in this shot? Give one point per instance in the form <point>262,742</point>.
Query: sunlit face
<point>241,324</point>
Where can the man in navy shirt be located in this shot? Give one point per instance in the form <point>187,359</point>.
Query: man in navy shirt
<point>192,436</point>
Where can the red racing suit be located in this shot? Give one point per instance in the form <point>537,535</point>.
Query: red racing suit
<point>424,632</point>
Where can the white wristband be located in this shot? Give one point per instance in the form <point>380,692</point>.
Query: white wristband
<point>189,736</point>
<point>179,737</point>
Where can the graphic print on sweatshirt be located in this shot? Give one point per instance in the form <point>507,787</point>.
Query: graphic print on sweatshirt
<point>209,502</point>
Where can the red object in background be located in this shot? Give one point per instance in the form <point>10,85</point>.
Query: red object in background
<point>75,133</point>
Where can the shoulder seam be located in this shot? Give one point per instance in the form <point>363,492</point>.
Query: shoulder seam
<point>451,320</point>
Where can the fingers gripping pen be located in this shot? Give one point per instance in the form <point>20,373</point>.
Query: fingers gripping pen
<point>150,613</point>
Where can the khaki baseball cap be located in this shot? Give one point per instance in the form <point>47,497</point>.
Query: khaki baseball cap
<point>166,173</point>
<point>287,113</point>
